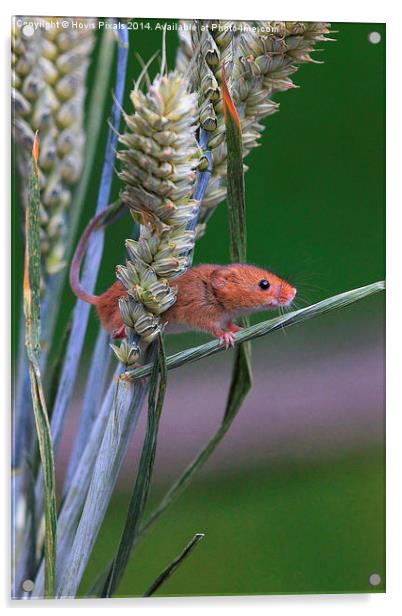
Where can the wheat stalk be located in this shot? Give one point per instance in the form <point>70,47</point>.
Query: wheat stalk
<point>49,75</point>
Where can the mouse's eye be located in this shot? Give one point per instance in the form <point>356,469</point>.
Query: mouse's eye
<point>264,284</point>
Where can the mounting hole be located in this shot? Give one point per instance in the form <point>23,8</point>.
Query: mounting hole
<point>28,30</point>
<point>27,585</point>
<point>374,38</point>
<point>375,579</point>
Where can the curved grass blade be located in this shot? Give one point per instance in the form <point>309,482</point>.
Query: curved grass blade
<point>32,333</point>
<point>262,329</point>
<point>142,484</point>
<point>166,573</point>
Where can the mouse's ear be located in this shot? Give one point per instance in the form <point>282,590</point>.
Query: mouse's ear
<point>219,277</point>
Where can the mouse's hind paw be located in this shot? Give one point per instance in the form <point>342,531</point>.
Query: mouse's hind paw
<point>227,339</point>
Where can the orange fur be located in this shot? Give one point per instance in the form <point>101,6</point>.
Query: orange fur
<point>209,297</point>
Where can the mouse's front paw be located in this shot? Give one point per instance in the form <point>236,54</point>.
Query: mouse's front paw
<point>227,339</point>
<point>119,333</point>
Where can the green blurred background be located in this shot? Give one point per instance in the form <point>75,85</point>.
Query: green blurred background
<point>308,519</point>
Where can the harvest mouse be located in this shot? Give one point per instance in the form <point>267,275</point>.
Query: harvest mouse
<point>209,298</point>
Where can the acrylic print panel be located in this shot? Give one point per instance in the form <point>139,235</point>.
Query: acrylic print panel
<point>172,434</point>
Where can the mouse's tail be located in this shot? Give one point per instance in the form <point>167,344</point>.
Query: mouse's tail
<point>80,251</point>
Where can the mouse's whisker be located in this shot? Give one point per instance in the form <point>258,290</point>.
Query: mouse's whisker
<point>282,310</point>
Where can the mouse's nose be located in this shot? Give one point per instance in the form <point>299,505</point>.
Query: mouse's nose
<point>287,294</point>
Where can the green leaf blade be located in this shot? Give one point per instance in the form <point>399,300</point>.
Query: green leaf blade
<point>32,328</point>
<point>262,329</point>
<point>242,380</point>
<point>236,200</point>
<point>170,569</point>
